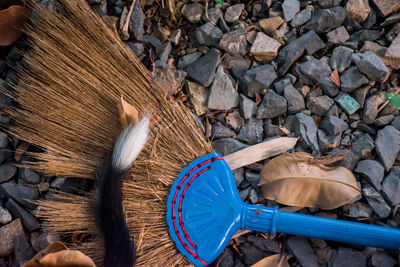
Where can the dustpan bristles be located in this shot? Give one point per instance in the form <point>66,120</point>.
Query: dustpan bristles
<point>77,71</point>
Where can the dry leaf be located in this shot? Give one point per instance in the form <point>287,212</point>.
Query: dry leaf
<point>58,255</point>
<point>335,77</point>
<point>293,181</point>
<point>127,113</point>
<point>276,260</point>
<point>258,100</point>
<point>12,21</point>
<point>21,149</point>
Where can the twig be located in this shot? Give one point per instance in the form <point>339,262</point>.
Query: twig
<point>171,10</point>
<point>206,10</point>
<point>124,33</point>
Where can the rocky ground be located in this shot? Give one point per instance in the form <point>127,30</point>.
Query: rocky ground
<point>252,71</point>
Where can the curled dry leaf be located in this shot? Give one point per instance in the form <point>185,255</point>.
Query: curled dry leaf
<point>276,260</point>
<point>335,77</point>
<point>294,181</point>
<point>12,21</point>
<point>127,113</point>
<point>58,255</point>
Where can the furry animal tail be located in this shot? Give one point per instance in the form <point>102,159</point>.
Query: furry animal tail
<point>120,249</point>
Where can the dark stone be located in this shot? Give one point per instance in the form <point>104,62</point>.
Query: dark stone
<point>364,35</point>
<point>377,203</point>
<point>294,99</point>
<point>352,79</point>
<point>20,193</point>
<point>136,22</point>
<point>302,17</point>
<point>193,12</point>
<point>253,178</point>
<point>270,129</point>
<point>203,69</point>
<point>333,125</point>
<point>214,15</point>
<point>327,141</point>
<point>338,35</point>
<point>170,79</point>
<point>188,59</point>
<point>272,105</point>
<point>239,176</point>
<point>381,259</point>
<point>247,107</point>
<point>328,87</point>
<point>309,42</point>
<point>391,189</point>
<point>234,42</point>
<point>5,153</point>
<point>251,132</point>
<point>232,13</point>
<point>225,146</point>
<point>324,20</point>
<point>347,256</point>
<point>5,216</point>
<point>360,95</point>
<point>306,128</point>
<point>371,65</point>
<point>208,35</point>
<point>23,251</point>
<point>3,140</point>
<point>251,254</point>
<point>388,145</point>
<point>383,120</point>
<point>263,244</point>
<point>27,219</point>
<point>363,146</point>
<point>227,258</point>
<point>290,9</point>
<point>257,79</point>
<point>371,170</point>
<point>396,123</point>
<point>371,107</point>
<point>47,238</point>
<point>341,58</point>
<point>313,71</point>
<point>29,175</point>
<point>302,251</point>
<point>7,171</point>
<point>223,94</point>
<point>365,128</point>
<point>198,97</point>
<point>221,131</point>
<point>392,34</point>
<point>238,65</point>
<point>320,105</point>
<point>357,210</point>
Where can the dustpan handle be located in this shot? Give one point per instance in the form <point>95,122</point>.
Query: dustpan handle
<point>271,220</point>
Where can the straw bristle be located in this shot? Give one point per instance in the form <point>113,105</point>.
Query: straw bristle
<point>76,73</point>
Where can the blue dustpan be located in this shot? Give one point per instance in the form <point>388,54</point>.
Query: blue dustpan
<point>204,211</point>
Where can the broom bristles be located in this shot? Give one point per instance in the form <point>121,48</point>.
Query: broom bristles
<point>76,73</point>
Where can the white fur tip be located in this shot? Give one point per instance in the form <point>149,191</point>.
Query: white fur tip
<point>129,144</point>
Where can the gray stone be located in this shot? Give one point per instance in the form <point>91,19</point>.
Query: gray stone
<point>363,146</point>
<point>237,65</point>
<point>253,178</point>
<point>290,9</point>
<point>239,176</point>
<point>208,35</point>
<point>396,123</point>
<point>198,96</point>
<point>387,7</point>
<point>251,132</point>
<point>347,103</point>
<point>309,42</point>
<point>264,244</point>
<point>327,141</point>
<point>23,251</point>
<point>20,193</point>
<point>302,251</point>
<point>264,48</point>
<point>270,129</point>
<point>387,144</point>
<point>347,256</point>
<point>341,58</point>
<point>257,79</point>
<point>203,69</point>
<point>272,105</point>
<point>294,99</point>
<point>391,189</point>
<point>358,10</point>
<point>220,131</point>
<point>361,94</point>
<point>193,12</point>
<point>333,125</point>
<point>247,107</point>
<point>47,238</point>
<point>313,71</point>
<point>376,202</point>
<point>29,175</point>
<point>253,196</point>
<point>170,79</point>
<point>324,20</point>
<point>358,38</point>
<point>225,146</point>
<point>7,171</point>
<point>328,87</point>
<point>214,15</point>
<point>352,79</point>
<point>27,219</point>
<point>234,42</point>
<point>302,17</point>
<point>383,120</point>
<point>227,258</point>
<point>8,235</point>
<point>223,94</point>
<point>188,59</point>
<point>3,140</point>
<point>280,85</point>
<point>371,170</point>
<point>381,259</point>
<point>244,193</point>
<point>137,48</point>
<point>5,216</point>
<point>136,22</point>
<point>338,35</point>
<point>371,107</point>
<point>393,33</point>
<point>320,105</point>
<point>306,128</point>
<point>251,254</point>
<point>269,25</point>
<point>233,13</point>
<point>357,210</point>
<point>371,65</point>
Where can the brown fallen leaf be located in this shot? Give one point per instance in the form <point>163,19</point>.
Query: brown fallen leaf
<point>58,255</point>
<point>21,149</point>
<point>276,260</point>
<point>294,181</point>
<point>12,21</point>
<point>335,77</point>
<point>258,100</point>
<point>127,113</point>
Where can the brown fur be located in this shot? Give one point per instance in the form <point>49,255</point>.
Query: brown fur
<point>77,71</point>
